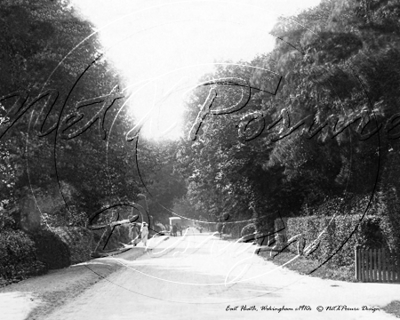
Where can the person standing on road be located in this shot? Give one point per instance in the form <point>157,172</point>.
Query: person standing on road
<point>144,232</point>
<point>174,230</point>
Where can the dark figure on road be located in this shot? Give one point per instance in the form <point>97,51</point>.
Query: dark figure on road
<point>220,229</point>
<point>174,230</point>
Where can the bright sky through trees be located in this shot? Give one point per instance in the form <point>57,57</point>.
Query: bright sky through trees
<point>163,47</point>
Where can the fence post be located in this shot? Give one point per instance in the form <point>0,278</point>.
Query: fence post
<point>375,265</point>
<point>390,269</point>
<point>372,265</point>
<point>398,269</point>
<point>369,260</point>
<point>357,262</point>
<point>379,265</point>
<point>362,264</point>
<point>384,265</point>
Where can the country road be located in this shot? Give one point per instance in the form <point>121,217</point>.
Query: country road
<point>202,277</point>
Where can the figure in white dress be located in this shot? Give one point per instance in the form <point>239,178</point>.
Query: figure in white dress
<point>144,232</point>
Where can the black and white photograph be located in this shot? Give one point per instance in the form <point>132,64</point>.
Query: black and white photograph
<point>199,159</point>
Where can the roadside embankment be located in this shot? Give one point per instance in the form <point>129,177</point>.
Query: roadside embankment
<point>32,298</point>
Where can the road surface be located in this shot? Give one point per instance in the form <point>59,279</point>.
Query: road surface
<point>199,276</point>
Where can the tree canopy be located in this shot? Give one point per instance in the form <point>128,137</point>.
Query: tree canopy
<point>309,127</point>
<point>313,121</point>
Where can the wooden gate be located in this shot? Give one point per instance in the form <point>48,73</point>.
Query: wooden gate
<point>373,265</point>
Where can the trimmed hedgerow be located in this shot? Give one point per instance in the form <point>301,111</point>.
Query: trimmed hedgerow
<point>390,204</point>
<point>336,236</point>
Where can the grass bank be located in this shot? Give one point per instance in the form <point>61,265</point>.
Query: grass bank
<point>311,267</point>
<point>314,268</point>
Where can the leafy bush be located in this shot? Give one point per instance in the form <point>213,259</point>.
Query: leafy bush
<point>6,220</point>
<point>17,255</point>
<point>23,255</point>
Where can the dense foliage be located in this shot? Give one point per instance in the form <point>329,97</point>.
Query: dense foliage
<point>327,239</point>
<point>309,129</point>
<point>18,258</point>
<point>325,135</point>
<point>67,146</point>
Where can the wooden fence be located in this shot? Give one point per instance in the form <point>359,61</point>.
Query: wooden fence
<point>374,265</point>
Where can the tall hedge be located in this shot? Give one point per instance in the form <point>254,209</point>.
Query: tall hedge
<point>336,236</point>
